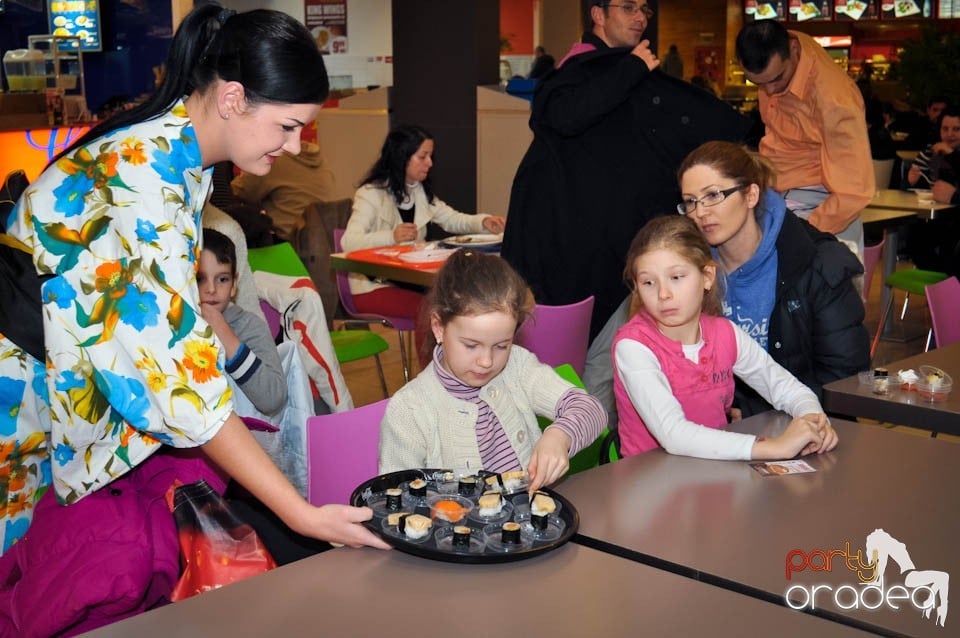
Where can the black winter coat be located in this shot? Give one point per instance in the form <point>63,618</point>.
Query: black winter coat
<point>609,136</point>
<point>816,327</point>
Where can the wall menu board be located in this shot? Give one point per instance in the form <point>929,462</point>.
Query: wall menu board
<point>846,10</point>
<point>327,21</point>
<point>80,18</point>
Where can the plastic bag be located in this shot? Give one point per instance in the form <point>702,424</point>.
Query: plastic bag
<point>216,548</point>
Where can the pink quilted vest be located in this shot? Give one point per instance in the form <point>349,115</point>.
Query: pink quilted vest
<point>704,389</point>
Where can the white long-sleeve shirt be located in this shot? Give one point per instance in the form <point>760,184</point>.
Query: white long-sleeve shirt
<point>652,396</point>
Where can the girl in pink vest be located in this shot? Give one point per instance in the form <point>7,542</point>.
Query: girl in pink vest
<point>676,358</point>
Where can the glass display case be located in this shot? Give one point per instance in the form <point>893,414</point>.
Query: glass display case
<point>64,62</point>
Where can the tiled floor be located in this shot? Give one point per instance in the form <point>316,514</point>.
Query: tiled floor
<point>364,385</point>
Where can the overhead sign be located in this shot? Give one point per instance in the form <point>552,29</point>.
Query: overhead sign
<point>79,18</point>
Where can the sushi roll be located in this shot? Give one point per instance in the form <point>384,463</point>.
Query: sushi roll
<point>415,526</point>
<point>541,507</point>
<point>491,504</point>
<point>417,487</point>
<point>510,533</point>
<point>394,499</point>
<point>461,536</point>
<point>467,485</point>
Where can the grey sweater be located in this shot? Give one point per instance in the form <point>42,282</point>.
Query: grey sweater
<point>256,366</point>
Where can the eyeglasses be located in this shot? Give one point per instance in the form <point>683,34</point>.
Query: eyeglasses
<point>712,198</point>
<point>630,8</point>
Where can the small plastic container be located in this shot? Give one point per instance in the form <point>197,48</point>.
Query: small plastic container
<point>26,70</point>
<point>881,381</point>
<point>934,384</point>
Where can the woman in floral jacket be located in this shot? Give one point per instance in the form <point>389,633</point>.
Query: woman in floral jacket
<point>114,222</point>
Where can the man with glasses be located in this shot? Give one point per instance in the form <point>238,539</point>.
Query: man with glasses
<point>816,130</point>
<point>609,134</point>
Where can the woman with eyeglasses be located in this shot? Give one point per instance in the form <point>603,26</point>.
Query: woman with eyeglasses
<point>787,284</point>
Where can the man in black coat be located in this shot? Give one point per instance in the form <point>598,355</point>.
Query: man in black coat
<point>609,135</point>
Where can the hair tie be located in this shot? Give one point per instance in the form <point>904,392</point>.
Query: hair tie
<point>224,15</point>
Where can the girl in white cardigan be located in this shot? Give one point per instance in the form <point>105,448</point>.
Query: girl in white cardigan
<point>476,404</point>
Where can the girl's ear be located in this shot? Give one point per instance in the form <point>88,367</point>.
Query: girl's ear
<point>709,276</point>
<point>436,327</point>
<point>231,99</point>
<point>752,195</point>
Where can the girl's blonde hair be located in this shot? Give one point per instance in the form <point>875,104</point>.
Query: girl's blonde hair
<point>681,235</point>
<point>474,283</point>
<point>733,162</point>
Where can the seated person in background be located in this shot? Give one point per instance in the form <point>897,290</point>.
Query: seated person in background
<point>787,285</point>
<point>294,182</point>
<point>940,161</point>
<point>924,129</point>
<point>393,205</point>
<point>935,244</point>
<point>675,360</point>
<point>251,355</point>
<point>476,405</point>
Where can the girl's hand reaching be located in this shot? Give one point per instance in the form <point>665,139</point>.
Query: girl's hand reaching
<point>805,435</point>
<point>550,459</point>
<point>494,224</point>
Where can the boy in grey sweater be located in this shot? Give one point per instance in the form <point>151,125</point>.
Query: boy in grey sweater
<point>251,354</point>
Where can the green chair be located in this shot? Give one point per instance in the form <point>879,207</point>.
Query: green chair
<point>590,456</point>
<point>349,345</point>
<point>909,280</point>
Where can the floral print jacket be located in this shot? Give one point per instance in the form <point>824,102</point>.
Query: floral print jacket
<point>130,362</point>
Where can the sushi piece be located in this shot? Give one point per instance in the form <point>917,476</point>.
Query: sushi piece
<point>395,518</point>
<point>451,511</point>
<point>394,499</point>
<point>510,533</point>
<point>514,480</point>
<point>415,526</point>
<point>461,536</point>
<point>541,507</point>
<point>467,485</point>
<point>417,487</point>
<point>491,504</point>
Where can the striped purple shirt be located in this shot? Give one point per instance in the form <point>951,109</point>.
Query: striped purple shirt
<point>579,415</point>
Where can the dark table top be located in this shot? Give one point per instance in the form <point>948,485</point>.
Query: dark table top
<point>573,591</point>
<point>848,396</point>
<point>724,523</point>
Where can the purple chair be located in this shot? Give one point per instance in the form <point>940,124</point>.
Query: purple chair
<point>943,301</point>
<point>342,451</point>
<point>558,334</point>
<point>272,315</point>
<point>400,324</point>
<point>871,257</point>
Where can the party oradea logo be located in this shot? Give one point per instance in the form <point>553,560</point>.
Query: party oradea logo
<point>923,590</point>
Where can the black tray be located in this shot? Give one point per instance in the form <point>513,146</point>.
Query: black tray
<point>373,489</point>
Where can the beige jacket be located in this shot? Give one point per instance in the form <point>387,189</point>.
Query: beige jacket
<point>375,216</point>
<point>426,427</point>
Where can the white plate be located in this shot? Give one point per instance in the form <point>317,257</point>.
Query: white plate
<point>425,256</point>
<point>479,241</point>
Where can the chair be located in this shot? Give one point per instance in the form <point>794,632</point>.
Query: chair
<point>349,345</point>
<point>400,324</point>
<point>871,257</point>
<point>882,171</point>
<point>909,280</point>
<point>593,454</point>
<point>943,300</point>
<point>342,451</point>
<point>558,334</point>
